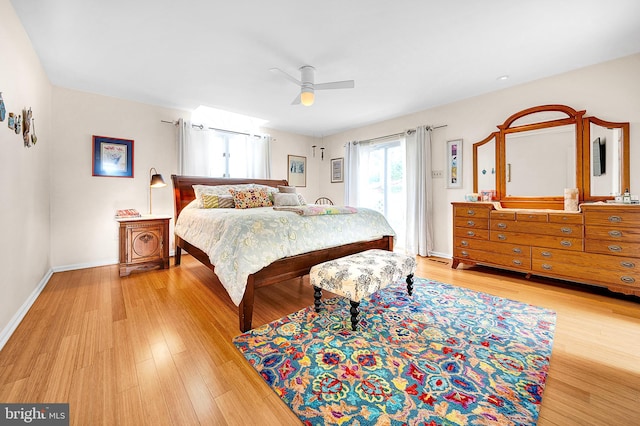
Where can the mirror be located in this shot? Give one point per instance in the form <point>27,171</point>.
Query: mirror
<point>484,164</point>
<point>606,147</point>
<point>540,162</point>
<point>540,151</point>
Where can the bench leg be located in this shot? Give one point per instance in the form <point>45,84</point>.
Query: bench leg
<point>354,314</point>
<point>317,295</point>
<point>410,284</point>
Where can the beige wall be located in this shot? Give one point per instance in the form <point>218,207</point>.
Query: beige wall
<point>24,174</point>
<point>610,91</point>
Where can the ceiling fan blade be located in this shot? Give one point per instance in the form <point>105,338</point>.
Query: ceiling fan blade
<point>287,76</point>
<point>347,84</point>
<point>296,101</point>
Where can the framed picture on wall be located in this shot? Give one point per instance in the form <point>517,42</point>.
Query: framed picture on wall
<point>112,157</point>
<point>297,173</point>
<point>337,169</point>
<point>454,164</point>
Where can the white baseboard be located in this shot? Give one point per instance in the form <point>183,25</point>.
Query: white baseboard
<point>96,264</point>
<point>6,333</point>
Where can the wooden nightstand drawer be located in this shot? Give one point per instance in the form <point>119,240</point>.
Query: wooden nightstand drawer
<point>144,244</point>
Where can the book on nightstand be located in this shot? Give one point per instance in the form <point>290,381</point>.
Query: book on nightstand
<point>127,213</point>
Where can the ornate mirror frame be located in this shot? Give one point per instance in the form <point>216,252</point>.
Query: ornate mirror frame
<point>569,116</point>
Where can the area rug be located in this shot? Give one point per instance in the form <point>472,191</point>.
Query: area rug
<point>444,356</point>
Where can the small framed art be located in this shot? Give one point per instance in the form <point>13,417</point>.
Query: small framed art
<point>454,164</point>
<point>337,169</point>
<point>112,157</point>
<point>297,174</point>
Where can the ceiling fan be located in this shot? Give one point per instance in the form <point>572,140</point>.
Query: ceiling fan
<point>308,87</point>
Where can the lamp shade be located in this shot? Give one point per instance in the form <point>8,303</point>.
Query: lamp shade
<point>306,97</point>
<point>157,181</point>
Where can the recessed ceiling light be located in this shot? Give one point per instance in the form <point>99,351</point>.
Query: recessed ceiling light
<point>503,77</point>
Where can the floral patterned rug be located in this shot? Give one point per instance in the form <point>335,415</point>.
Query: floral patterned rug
<point>445,356</point>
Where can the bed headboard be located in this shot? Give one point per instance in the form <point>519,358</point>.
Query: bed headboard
<point>183,192</point>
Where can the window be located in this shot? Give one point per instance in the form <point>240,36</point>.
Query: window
<point>382,182</point>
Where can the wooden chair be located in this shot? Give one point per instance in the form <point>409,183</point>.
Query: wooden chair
<point>324,201</point>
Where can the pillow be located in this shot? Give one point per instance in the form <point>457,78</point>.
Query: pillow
<point>250,198</point>
<point>286,199</point>
<point>301,200</point>
<point>199,190</point>
<point>217,201</point>
<point>287,189</point>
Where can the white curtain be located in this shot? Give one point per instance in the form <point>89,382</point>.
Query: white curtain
<point>419,195</point>
<point>207,152</point>
<point>351,170</point>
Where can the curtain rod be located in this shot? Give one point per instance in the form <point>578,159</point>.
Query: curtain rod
<point>400,134</point>
<point>201,127</point>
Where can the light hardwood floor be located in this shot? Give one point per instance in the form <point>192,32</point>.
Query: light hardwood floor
<point>155,348</point>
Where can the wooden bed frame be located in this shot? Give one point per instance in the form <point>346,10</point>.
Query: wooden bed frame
<point>278,271</point>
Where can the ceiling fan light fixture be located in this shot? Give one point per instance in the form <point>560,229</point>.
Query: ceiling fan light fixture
<point>307,98</point>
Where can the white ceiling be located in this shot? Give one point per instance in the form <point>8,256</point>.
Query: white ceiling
<point>405,56</point>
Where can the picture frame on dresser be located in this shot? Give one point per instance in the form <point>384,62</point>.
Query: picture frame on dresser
<point>454,164</point>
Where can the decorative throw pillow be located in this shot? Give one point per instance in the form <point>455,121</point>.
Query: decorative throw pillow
<point>250,198</point>
<point>217,201</point>
<point>286,199</point>
<point>301,200</point>
<point>287,189</point>
<point>200,190</point>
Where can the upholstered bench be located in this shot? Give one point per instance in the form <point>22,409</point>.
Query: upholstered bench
<point>359,275</point>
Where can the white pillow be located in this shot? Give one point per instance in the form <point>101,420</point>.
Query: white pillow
<point>285,199</point>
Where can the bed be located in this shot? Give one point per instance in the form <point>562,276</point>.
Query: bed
<point>279,270</point>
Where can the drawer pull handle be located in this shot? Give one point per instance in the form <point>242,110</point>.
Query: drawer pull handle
<point>502,225</point>
<point>565,243</point>
<point>471,212</point>
<point>615,219</point>
<point>546,266</point>
<point>464,243</point>
<point>566,230</point>
<point>517,262</point>
<point>615,248</point>
<point>627,280</point>
<point>502,237</point>
<point>517,250</point>
<point>627,264</point>
<point>471,233</point>
<point>546,254</point>
<point>471,223</point>
<point>615,234</point>
<point>465,254</point>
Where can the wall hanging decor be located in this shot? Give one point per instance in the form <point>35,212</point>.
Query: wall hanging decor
<point>27,115</point>
<point>34,138</point>
<point>3,110</point>
<point>337,167</point>
<point>297,174</point>
<point>112,157</point>
<point>11,122</point>
<point>18,124</point>
<point>454,164</point>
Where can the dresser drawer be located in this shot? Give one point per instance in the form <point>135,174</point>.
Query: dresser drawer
<point>499,214</point>
<point>564,243</point>
<point>616,248</point>
<point>532,217</point>
<point>492,246</point>
<point>575,218</point>
<point>471,222</point>
<point>612,233</point>
<point>616,218</point>
<point>517,262</point>
<point>482,234</point>
<point>591,268</point>
<point>557,229</point>
<point>471,211</point>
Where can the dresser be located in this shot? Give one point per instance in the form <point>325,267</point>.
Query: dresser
<point>144,243</point>
<point>599,245</point>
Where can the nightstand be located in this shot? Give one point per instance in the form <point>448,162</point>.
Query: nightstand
<point>144,243</point>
